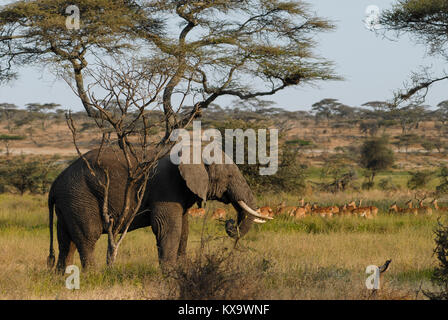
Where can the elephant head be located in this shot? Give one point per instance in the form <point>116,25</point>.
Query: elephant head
<point>225,183</point>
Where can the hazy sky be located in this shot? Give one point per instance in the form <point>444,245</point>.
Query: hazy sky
<point>372,66</point>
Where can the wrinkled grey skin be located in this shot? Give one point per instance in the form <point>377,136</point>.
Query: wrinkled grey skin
<point>77,200</point>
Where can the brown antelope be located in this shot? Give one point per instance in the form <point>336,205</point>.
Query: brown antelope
<point>351,205</point>
<point>323,212</point>
<point>286,210</point>
<point>344,211</point>
<point>394,208</point>
<point>364,212</point>
<point>436,206</point>
<point>335,210</point>
<point>373,211</point>
<point>266,211</point>
<point>347,209</point>
<point>350,208</point>
<point>410,209</point>
<point>196,212</point>
<point>307,207</point>
<point>424,209</point>
<point>361,212</point>
<point>300,213</point>
<point>219,214</point>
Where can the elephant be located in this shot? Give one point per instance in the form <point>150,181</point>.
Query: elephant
<point>77,198</point>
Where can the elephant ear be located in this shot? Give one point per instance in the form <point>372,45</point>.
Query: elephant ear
<point>196,178</point>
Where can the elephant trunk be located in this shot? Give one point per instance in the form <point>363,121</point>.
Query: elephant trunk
<point>244,203</point>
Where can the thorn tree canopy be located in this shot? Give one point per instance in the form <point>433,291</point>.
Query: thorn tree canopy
<point>426,21</point>
<point>241,48</point>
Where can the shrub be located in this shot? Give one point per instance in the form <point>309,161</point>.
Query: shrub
<point>376,156</point>
<point>341,173</point>
<point>419,179</point>
<point>443,187</point>
<point>299,142</point>
<point>214,275</point>
<point>428,145</point>
<point>290,176</point>
<point>386,184</point>
<point>33,176</point>
<point>440,275</point>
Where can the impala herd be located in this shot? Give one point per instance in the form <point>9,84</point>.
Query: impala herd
<point>308,209</point>
<point>349,209</point>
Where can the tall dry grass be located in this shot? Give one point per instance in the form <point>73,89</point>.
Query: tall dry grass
<point>312,258</point>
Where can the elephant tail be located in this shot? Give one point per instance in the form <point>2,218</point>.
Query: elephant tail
<point>51,258</point>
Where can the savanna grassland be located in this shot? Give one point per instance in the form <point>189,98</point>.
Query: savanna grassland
<point>313,258</point>
<point>310,258</point>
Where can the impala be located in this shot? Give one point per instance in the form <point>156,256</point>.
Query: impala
<point>219,214</point>
<point>394,208</point>
<point>410,209</point>
<point>283,209</point>
<point>436,206</point>
<point>196,212</point>
<point>424,209</point>
<point>300,212</point>
<point>364,212</point>
<point>373,211</point>
<point>345,211</point>
<point>323,212</point>
<point>266,211</point>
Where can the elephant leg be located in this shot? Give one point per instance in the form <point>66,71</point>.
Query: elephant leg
<point>166,224</point>
<point>86,249</point>
<point>183,237</point>
<point>66,247</point>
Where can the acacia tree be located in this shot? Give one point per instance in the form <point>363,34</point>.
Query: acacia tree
<point>131,92</point>
<point>7,111</point>
<point>427,22</point>
<point>245,49</point>
<point>40,111</point>
<point>325,108</point>
<point>6,139</point>
<point>207,49</point>
<point>375,156</point>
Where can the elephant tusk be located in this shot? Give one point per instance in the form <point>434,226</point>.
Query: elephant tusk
<point>252,212</point>
<point>256,220</point>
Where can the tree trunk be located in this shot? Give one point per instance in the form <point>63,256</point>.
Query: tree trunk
<point>112,251</point>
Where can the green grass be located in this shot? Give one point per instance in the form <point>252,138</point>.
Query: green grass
<point>399,178</point>
<point>312,258</point>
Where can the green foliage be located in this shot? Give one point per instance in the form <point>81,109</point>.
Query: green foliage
<point>267,41</point>
<point>442,188</point>
<point>7,137</point>
<point>290,176</point>
<point>299,142</point>
<point>406,140</point>
<point>33,176</point>
<point>369,127</point>
<point>419,179</point>
<point>428,145</point>
<point>376,156</point>
<point>440,275</point>
<point>387,184</point>
<point>425,20</point>
<point>341,174</point>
